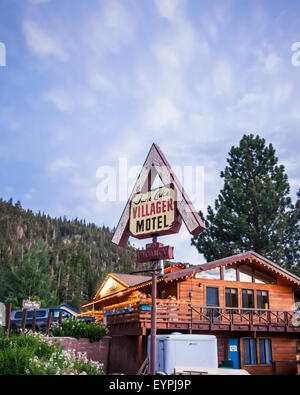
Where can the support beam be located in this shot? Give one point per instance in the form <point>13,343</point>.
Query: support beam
<point>153,319</point>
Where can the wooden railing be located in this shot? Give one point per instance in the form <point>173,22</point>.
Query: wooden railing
<point>241,316</point>
<point>185,316</point>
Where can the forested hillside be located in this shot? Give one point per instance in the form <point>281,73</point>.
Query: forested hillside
<point>55,259</point>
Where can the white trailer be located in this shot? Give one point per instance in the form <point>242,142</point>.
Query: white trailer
<point>178,353</point>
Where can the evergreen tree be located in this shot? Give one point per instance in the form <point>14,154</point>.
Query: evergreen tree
<point>292,239</point>
<point>251,210</point>
<point>31,279</point>
<point>79,254</point>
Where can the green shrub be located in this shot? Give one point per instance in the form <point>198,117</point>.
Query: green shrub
<point>31,354</point>
<point>17,350</point>
<point>79,329</point>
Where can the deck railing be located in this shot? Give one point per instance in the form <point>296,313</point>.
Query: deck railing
<point>239,316</point>
<point>172,313</point>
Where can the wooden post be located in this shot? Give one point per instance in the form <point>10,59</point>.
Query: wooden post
<point>274,368</point>
<point>221,273</point>
<point>60,318</point>
<point>8,319</point>
<point>191,323</point>
<point>33,320</point>
<point>210,318</point>
<point>23,323</point>
<point>139,355</point>
<point>238,273</point>
<point>49,321</point>
<point>153,319</point>
<point>231,319</point>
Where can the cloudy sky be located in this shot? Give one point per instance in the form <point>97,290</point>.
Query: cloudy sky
<point>89,82</point>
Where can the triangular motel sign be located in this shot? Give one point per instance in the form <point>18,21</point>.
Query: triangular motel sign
<point>150,213</point>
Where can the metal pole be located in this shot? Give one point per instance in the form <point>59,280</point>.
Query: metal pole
<point>153,319</point>
<point>153,316</point>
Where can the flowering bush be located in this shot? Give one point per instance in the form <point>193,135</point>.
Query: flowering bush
<point>32,354</point>
<point>65,363</point>
<point>79,329</point>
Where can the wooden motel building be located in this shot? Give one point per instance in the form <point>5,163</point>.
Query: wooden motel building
<point>245,300</point>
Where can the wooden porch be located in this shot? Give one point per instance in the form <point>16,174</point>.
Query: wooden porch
<point>174,315</point>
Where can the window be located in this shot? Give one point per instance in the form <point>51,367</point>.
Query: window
<point>213,274</point>
<point>231,297</point>
<point>248,298</point>
<point>162,295</point>
<point>250,352</point>
<point>212,299</point>
<point>262,299</point>
<point>18,315</point>
<point>229,273</point>
<point>263,278</point>
<point>265,352</point>
<point>245,273</point>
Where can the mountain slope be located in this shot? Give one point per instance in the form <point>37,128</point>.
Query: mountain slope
<point>79,255</point>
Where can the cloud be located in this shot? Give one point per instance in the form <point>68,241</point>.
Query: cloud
<point>109,27</point>
<point>168,9</point>
<point>59,165</point>
<point>272,62</point>
<point>282,92</point>
<point>42,42</point>
<point>249,99</point>
<point>161,114</point>
<point>39,1</point>
<point>60,99</point>
<point>190,76</point>
<point>69,99</point>
<point>99,82</point>
<point>223,78</point>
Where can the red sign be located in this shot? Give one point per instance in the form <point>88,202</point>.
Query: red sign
<point>155,251</point>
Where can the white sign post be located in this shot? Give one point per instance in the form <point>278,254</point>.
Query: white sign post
<point>31,304</point>
<point>2,314</point>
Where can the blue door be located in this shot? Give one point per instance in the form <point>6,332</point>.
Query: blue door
<point>234,352</point>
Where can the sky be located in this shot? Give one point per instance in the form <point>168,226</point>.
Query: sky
<point>88,85</point>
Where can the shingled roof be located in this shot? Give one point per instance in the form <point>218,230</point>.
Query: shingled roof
<point>131,279</point>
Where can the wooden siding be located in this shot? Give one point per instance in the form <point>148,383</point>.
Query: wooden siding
<point>283,348</point>
<point>281,297</point>
<point>222,342</point>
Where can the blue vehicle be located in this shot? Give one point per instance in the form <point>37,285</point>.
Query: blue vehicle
<point>41,318</point>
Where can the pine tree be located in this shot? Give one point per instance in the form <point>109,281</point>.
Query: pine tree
<point>79,255</point>
<point>31,279</point>
<point>292,239</point>
<point>251,210</point>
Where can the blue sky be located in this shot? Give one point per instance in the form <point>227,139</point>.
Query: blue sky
<point>89,81</point>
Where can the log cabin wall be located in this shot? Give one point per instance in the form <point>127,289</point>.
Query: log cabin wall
<point>283,348</point>
<point>281,297</point>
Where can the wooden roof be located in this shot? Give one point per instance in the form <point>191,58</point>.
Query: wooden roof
<point>130,279</point>
<point>131,282</point>
<point>249,255</point>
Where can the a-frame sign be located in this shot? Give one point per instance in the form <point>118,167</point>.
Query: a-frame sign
<point>150,213</point>
<point>172,192</point>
